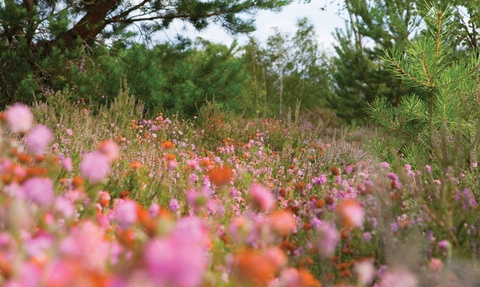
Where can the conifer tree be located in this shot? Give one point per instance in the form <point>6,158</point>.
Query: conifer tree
<point>440,125</point>
<point>41,40</point>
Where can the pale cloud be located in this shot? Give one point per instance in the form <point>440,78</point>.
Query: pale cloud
<point>324,21</point>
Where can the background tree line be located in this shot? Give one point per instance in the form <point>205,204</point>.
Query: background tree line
<point>87,50</point>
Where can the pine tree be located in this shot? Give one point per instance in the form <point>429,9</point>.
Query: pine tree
<point>41,40</point>
<point>440,125</point>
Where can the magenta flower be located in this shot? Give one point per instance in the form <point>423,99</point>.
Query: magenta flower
<point>126,213</point>
<point>180,259</point>
<point>38,190</point>
<point>39,139</point>
<point>95,166</point>
<point>322,179</point>
<point>328,239</point>
<point>19,118</point>
<point>262,198</point>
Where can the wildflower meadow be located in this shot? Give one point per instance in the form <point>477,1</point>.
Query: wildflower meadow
<point>113,199</point>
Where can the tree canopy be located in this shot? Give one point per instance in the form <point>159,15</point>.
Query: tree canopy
<point>44,43</point>
<point>54,22</point>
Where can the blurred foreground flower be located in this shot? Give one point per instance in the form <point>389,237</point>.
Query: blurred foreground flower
<point>19,118</point>
<point>328,239</point>
<point>399,277</point>
<point>95,166</point>
<point>38,190</point>
<point>365,271</point>
<point>180,259</point>
<point>255,268</point>
<point>110,149</point>
<point>39,139</point>
<point>220,175</point>
<point>261,197</point>
<point>350,213</point>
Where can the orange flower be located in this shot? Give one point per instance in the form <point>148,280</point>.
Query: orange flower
<point>77,182</point>
<point>253,268</point>
<point>282,222</point>
<point>24,158</point>
<point>351,213</point>
<point>170,157</point>
<point>307,279</point>
<point>135,165</point>
<point>105,199</point>
<point>220,175</point>
<point>206,162</point>
<point>167,145</point>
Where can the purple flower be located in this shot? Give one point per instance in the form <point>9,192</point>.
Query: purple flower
<point>95,166</point>
<point>322,179</point>
<point>19,118</point>
<point>174,205</point>
<point>444,245</point>
<point>428,169</point>
<point>38,190</point>
<point>385,165</point>
<point>367,236</point>
<point>39,139</point>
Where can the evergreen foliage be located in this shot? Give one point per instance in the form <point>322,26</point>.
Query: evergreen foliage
<point>44,43</point>
<point>439,125</point>
<point>360,76</point>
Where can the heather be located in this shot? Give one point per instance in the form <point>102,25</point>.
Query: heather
<point>114,199</point>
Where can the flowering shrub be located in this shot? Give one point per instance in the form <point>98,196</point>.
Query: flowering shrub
<point>151,206</point>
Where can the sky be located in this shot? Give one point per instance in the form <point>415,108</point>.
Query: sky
<point>324,21</point>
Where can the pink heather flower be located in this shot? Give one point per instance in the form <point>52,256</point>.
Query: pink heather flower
<point>86,244</point>
<point>444,246</point>
<point>365,271</point>
<point>19,118</point>
<point>174,205</point>
<point>398,278</point>
<point>65,207</point>
<point>193,164</point>
<point>322,179</point>
<point>262,198</point>
<point>153,210</point>
<point>385,165</point>
<point>67,164</point>
<point>39,139</point>
<point>328,239</point>
<point>428,169</point>
<point>95,166</point>
<point>126,213</point>
<point>180,259</point>
<point>110,149</point>
<point>38,190</point>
